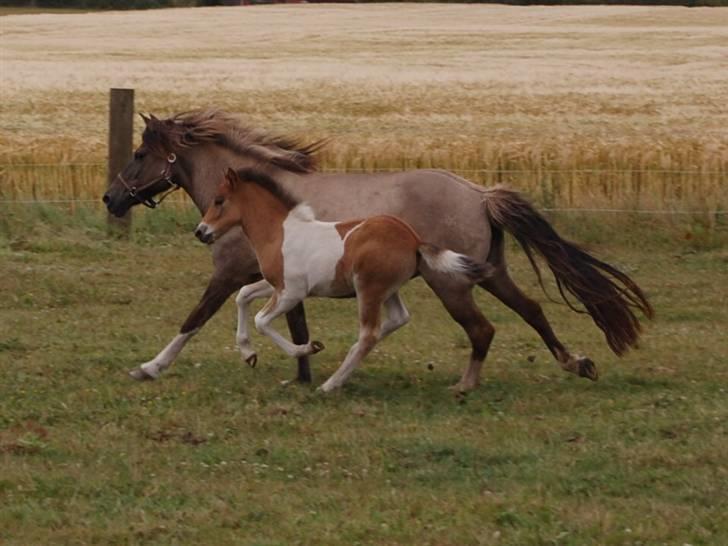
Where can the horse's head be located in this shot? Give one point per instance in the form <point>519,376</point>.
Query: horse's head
<point>224,213</point>
<point>152,170</point>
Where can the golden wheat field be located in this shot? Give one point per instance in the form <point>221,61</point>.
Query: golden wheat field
<point>622,107</point>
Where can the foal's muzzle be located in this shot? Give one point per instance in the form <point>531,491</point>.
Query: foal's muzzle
<point>205,234</point>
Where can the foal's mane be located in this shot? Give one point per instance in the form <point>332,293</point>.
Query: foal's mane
<point>266,182</point>
<point>188,129</point>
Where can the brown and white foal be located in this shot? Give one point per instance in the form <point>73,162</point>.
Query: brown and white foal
<point>300,256</point>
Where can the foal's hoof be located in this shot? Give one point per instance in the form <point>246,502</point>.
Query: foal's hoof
<point>140,375</point>
<point>252,360</point>
<point>587,369</point>
<point>463,387</point>
<point>316,346</point>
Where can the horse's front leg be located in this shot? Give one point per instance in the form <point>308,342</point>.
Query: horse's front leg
<point>296,319</point>
<point>276,306</point>
<point>218,290</point>
<point>248,293</point>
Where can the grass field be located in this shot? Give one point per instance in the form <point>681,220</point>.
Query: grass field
<point>218,453</point>
<point>585,107</point>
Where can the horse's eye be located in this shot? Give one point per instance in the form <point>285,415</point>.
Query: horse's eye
<point>138,154</point>
<point>219,200</point>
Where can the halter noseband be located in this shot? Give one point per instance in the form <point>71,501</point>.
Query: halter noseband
<point>165,175</point>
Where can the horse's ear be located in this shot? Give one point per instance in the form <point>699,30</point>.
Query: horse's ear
<point>231,177</point>
<point>145,119</point>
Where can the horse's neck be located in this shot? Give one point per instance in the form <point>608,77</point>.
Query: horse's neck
<point>205,166</point>
<point>262,216</point>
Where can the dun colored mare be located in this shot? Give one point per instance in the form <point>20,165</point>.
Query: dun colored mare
<point>192,150</point>
<point>300,256</point>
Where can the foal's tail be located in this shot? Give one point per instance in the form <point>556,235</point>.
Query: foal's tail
<point>608,295</point>
<point>447,261</point>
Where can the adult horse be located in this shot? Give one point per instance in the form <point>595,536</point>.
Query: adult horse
<point>192,150</point>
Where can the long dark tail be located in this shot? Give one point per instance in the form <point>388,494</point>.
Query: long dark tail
<point>608,295</point>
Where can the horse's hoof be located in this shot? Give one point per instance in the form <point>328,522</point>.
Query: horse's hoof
<point>461,388</point>
<point>324,389</point>
<point>252,360</point>
<point>316,346</point>
<point>140,375</point>
<point>587,369</point>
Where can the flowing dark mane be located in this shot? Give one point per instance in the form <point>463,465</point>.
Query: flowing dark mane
<point>199,126</point>
<point>266,182</point>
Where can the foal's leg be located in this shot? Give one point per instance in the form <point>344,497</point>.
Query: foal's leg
<point>276,306</point>
<point>369,334</point>
<point>248,293</point>
<point>396,315</point>
<point>502,287</point>
<point>457,298</point>
<point>218,290</point>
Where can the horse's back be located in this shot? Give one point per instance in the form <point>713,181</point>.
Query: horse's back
<point>443,208</point>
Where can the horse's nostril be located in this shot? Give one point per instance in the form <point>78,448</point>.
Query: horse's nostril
<point>106,198</point>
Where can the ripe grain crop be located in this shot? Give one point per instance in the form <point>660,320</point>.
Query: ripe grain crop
<point>587,107</point>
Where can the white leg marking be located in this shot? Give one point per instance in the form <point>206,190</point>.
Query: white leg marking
<point>360,349</point>
<point>153,368</point>
<point>248,293</point>
<point>263,324</point>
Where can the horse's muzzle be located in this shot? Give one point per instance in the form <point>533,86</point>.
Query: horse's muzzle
<point>205,234</point>
<point>117,207</point>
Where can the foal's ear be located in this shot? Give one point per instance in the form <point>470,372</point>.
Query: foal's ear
<point>232,178</point>
<point>146,119</point>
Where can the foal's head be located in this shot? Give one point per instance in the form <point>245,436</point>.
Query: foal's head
<point>270,201</point>
<point>224,212</point>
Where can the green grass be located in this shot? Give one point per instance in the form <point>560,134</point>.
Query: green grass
<point>218,453</point>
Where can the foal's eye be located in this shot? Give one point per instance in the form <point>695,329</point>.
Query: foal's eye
<point>138,154</point>
<point>219,200</point>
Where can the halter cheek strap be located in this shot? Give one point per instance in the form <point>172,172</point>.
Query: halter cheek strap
<point>165,175</point>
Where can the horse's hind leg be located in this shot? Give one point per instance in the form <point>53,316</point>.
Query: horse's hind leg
<point>458,300</point>
<point>369,334</point>
<point>396,315</point>
<point>502,287</point>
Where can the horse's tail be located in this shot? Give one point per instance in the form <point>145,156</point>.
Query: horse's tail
<point>447,261</point>
<point>608,295</point>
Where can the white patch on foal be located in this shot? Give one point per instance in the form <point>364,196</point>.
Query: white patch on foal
<point>311,250</point>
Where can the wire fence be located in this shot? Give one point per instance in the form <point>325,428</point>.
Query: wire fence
<point>632,177</point>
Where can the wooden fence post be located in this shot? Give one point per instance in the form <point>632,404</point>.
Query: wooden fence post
<point>121,135</point>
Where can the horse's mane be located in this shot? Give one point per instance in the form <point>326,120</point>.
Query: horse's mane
<point>266,182</point>
<point>199,126</point>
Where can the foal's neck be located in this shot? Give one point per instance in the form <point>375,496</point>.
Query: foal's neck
<point>261,216</point>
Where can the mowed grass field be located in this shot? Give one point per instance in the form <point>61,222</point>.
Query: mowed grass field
<point>581,107</point>
<point>218,453</point>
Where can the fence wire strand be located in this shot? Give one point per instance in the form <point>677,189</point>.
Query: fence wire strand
<point>540,172</point>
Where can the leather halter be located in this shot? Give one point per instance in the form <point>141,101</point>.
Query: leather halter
<point>165,175</point>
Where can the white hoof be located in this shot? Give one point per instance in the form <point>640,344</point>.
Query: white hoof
<point>140,374</point>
